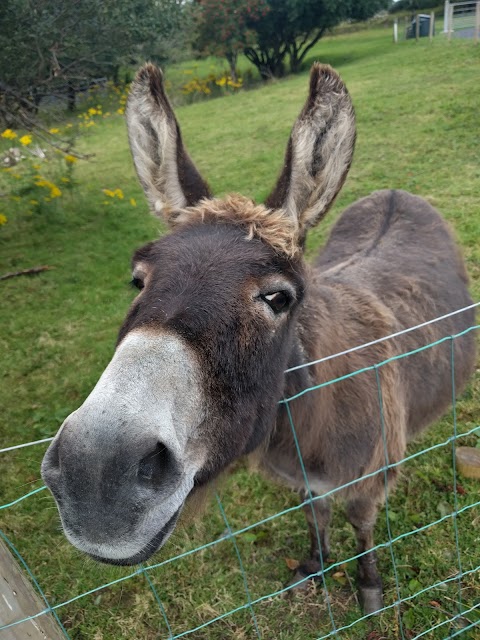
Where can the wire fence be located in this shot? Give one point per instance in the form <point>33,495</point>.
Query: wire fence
<point>464,619</point>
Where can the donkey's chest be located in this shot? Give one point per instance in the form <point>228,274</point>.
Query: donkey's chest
<point>297,479</point>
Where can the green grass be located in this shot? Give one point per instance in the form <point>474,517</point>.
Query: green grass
<point>417,109</point>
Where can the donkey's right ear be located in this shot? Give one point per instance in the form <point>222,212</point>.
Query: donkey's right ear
<point>168,176</point>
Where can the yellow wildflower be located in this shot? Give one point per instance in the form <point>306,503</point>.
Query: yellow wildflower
<point>133,202</point>
<point>70,159</point>
<point>109,193</point>
<point>36,166</point>
<point>221,82</point>
<point>26,139</point>
<point>9,135</point>
<point>3,219</point>
<point>65,180</point>
<point>119,193</point>
<point>33,202</point>
<point>90,123</point>
<point>54,130</point>
<point>121,111</point>
<point>54,190</point>
<point>92,111</point>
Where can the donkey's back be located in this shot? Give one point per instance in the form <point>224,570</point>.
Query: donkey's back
<point>397,247</point>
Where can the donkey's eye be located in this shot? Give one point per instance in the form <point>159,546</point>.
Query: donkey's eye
<point>137,283</point>
<point>278,301</point>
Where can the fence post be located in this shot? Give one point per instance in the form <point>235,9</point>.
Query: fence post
<point>431,26</point>
<point>395,30</point>
<point>406,26</point>
<point>19,600</point>
<point>446,15</point>
<point>450,21</point>
<point>476,35</point>
<point>417,27</point>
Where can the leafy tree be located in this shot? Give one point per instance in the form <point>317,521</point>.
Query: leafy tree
<point>58,45</point>
<point>224,27</point>
<point>292,27</point>
<point>414,5</point>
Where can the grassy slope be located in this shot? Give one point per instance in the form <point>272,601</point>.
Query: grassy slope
<point>417,107</point>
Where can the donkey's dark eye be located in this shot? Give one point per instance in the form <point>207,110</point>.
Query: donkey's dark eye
<point>278,301</point>
<point>137,283</point>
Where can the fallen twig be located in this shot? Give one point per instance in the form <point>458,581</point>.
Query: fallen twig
<point>26,272</point>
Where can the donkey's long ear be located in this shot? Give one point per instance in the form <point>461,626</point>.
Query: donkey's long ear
<point>319,152</point>
<point>168,176</point>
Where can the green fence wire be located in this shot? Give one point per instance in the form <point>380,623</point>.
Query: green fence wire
<point>446,626</point>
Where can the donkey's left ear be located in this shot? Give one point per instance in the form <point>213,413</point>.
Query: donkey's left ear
<point>168,176</point>
<point>319,152</point>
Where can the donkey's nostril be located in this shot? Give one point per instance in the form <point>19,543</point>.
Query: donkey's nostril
<point>157,466</point>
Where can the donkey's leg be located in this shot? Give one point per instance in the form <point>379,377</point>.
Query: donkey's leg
<point>319,511</point>
<point>362,515</point>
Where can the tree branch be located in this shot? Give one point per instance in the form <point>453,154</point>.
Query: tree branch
<point>311,44</point>
<point>26,272</point>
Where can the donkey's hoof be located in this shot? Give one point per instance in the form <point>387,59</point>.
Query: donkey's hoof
<point>302,581</point>
<point>371,599</point>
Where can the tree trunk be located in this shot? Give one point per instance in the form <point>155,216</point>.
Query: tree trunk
<point>232,61</point>
<point>270,63</point>
<point>71,95</point>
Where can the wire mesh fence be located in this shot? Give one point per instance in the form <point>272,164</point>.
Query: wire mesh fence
<point>448,586</point>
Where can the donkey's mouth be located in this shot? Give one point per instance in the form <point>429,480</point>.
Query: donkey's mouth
<point>149,549</point>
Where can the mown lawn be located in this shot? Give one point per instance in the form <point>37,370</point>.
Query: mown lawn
<point>418,129</point>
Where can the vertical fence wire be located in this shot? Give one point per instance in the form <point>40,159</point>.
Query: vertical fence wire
<point>310,500</point>
<point>159,602</point>
<point>389,529</point>
<point>244,575</point>
<point>454,466</point>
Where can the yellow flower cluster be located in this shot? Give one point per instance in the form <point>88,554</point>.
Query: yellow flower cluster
<point>88,116</point>
<point>204,86</point>
<point>69,159</point>
<point>26,139</point>
<point>8,134</point>
<point>198,85</point>
<point>116,193</point>
<point>3,219</point>
<point>55,192</point>
<point>229,82</point>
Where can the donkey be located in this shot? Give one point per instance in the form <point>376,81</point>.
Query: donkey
<point>226,305</point>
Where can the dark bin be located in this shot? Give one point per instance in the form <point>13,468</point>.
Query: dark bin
<point>424,26</point>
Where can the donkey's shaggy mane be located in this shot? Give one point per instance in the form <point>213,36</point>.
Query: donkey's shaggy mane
<point>274,227</point>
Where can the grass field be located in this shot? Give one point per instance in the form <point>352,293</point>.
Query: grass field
<point>418,129</point>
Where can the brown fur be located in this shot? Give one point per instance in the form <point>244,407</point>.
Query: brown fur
<point>230,283</point>
<point>269,226</point>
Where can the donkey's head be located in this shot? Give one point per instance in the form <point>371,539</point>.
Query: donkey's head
<point>198,368</point>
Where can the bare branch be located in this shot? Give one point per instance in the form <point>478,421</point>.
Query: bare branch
<point>26,272</point>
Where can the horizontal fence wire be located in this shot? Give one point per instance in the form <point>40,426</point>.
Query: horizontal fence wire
<point>309,502</point>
